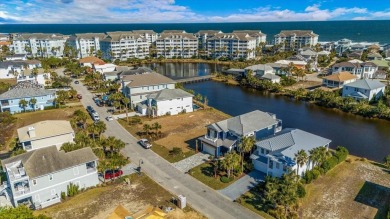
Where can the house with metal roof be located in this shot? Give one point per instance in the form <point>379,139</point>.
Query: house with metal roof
<point>26,90</point>
<point>361,70</point>
<point>167,102</point>
<point>275,155</point>
<point>37,178</point>
<point>338,80</point>
<point>45,134</point>
<point>365,89</point>
<point>224,136</point>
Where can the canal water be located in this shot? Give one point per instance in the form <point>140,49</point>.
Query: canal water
<point>369,138</point>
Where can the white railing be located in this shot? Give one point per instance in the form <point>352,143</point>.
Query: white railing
<point>211,139</point>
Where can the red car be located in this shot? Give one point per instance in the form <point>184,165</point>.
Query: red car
<point>79,96</point>
<point>113,174</point>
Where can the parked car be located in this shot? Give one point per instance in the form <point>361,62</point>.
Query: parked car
<point>79,96</point>
<point>76,82</point>
<point>99,103</point>
<point>109,118</point>
<point>89,109</point>
<point>109,174</point>
<point>145,143</point>
<point>95,117</point>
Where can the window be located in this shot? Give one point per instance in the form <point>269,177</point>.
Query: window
<point>267,151</point>
<point>277,165</point>
<point>53,192</point>
<point>76,171</point>
<point>51,177</point>
<point>262,150</point>
<point>271,164</point>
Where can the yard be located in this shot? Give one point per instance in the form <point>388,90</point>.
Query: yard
<point>101,201</point>
<point>178,131</point>
<point>358,189</point>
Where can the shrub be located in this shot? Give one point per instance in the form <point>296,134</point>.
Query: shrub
<point>341,153</point>
<point>330,163</point>
<point>301,191</point>
<point>135,120</point>
<point>308,176</point>
<point>63,195</point>
<point>176,151</point>
<point>226,179</point>
<point>73,189</point>
<point>316,173</point>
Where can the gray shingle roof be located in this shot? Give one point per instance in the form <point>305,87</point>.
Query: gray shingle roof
<point>259,67</point>
<point>242,36</point>
<point>290,141</point>
<point>26,89</point>
<point>49,160</point>
<point>174,35</point>
<point>296,32</point>
<point>169,94</point>
<point>368,84</point>
<point>147,79</point>
<point>270,76</point>
<point>246,123</point>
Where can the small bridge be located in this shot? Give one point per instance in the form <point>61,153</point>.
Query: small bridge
<point>194,79</point>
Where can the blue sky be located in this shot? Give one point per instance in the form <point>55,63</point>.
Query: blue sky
<point>175,11</point>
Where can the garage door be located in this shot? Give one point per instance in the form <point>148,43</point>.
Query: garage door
<point>208,149</point>
<point>260,166</point>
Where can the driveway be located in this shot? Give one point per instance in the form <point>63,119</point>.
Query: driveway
<point>201,197</point>
<point>243,185</point>
<point>191,162</point>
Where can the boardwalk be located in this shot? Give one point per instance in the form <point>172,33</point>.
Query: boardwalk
<point>194,79</point>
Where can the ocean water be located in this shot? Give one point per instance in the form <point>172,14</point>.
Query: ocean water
<point>372,31</point>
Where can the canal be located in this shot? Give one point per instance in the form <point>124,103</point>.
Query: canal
<point>369,138</point>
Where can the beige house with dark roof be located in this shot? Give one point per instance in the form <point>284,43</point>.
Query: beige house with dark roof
<point>45,134</point>
<point>339,79</point>
<point>139,86</point>
<point>37,178</point>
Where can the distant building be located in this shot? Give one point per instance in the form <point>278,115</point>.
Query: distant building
<point>149,35</point>
<point>90,61</point>
<point>45,134</point>
<point>123,45</point>
<point>224,136</point>
<point>26,90</point>
<point>232,45</point>
<point>37,178</point>
<point>86,44</point>
<point>12,69</point>
<point>39,44</point>
<point>338,80</point>
<point>275,155</point>
<point>16,57</point>
<point>257,34</point>
<point>203,36</point>
<point>296,39</point>
<point>177,44</point>
<point>365,89</point>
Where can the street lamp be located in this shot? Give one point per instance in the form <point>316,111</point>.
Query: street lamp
<point>139,166</point>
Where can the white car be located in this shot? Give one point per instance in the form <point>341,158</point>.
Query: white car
<point>109,118</point>
<point>145,143</point>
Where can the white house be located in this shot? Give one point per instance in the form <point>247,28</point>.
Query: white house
<point>41,77</point>
<point>263,72</point>
<point>109,67</point>
<point>367,89</point>
<point>45,134</point>
<point>275,155</point>
<point>361,70</point>
<point>168,102</point>
<point>138,87</point>
<point>11,69</point>
<point>90,61</point>
<point>37,178</point>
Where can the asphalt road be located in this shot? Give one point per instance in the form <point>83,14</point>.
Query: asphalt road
<point>202,198</point>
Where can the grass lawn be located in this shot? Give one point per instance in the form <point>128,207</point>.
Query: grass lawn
<point>101,201</point>
<point>205,174</point>
<point>252,201</point>
<point>178,131</point>
<point>11,81</point>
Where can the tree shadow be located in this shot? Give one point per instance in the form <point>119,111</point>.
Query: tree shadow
<point>208,170</point>
<point>382,166</point>
<point>192,143</point>
<point>376,196</point>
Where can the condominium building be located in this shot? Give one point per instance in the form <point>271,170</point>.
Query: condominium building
<point>149,35</point>
<point>260,37</point>
<point>295,39</point>
<point>204,35</point>
<point>86,44</point>
<point>177,44</point>
<point>232,45</point>
<point>123,45</point>
<point>39,44</point>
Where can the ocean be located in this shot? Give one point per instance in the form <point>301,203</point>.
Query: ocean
<point>371,31</point>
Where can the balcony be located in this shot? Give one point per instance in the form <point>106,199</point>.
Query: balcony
<point>21,188</point>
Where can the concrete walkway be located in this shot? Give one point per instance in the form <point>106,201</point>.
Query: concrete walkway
<point>201,197</point>
<point>195,160</point>
<point>243,185</point>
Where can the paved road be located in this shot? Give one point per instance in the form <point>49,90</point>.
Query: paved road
<point>243,185</point>
<point>202,198</point>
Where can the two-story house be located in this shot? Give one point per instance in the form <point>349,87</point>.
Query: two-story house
<point>139,86</point>
<point>44,134</point>
<point>360,69</point>
<point>275,155</point>
<point>26,90</point>
<point>338,80</point>
<point>224,136</point>
<point>37,178</point>
<point>365,89</point>
<point>168,102</point>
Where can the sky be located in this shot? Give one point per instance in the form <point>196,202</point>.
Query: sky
<point>189,11</point>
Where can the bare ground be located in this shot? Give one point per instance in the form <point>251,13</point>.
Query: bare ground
<point>351,190</point>
<point>100,202</point>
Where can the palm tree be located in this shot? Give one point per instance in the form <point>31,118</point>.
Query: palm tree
<point>245,146</point>
<point>126,102</point>
<point>92,130</point>
<point>156,126</point>
<point>33,102</point>
<point>80,117</point>
<point>315,156</point>
<point>301,158</point>
<point>23,104</point>
<point>100,127</point>
<point>146,129</point>
<point>324,154</point>
<point>230,162</point>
